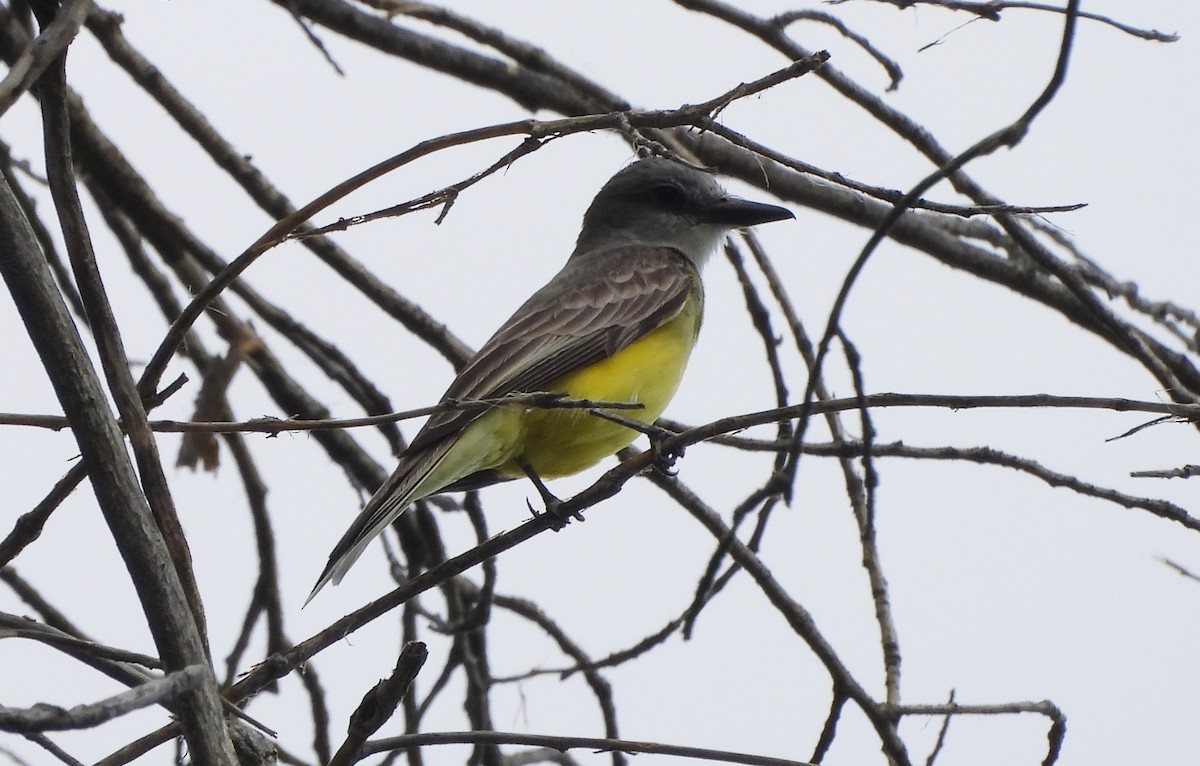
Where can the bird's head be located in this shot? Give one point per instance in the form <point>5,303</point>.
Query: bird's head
<point>661,202</point>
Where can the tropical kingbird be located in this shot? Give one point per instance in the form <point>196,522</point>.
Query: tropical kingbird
<point>616,324</point>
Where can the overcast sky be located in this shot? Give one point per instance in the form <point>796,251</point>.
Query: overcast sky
<point>1004,589</point>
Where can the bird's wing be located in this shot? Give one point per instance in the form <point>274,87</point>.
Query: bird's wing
<point>592,309</point>
<point>589,311</point>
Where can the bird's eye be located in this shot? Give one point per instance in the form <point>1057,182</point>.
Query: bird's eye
<point>667,196</point>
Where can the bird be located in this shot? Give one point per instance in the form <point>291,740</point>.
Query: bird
<point>616,324</point>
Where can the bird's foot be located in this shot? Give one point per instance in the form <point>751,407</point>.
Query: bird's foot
<point>664,458</point>
<point>553,506</point>
<point>557,517</point>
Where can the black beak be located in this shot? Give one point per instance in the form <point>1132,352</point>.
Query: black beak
<point>735,211</point>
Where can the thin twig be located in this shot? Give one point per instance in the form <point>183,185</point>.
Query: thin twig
<point>569,743</point>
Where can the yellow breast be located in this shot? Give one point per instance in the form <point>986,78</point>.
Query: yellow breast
<point>647,371</point>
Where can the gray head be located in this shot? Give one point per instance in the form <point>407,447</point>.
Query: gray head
<point>660,202</point>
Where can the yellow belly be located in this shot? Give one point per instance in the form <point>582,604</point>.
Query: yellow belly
<point>561,442</point>
<point>647,371</point>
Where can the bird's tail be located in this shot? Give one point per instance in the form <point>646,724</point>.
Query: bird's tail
<point>404,487</point>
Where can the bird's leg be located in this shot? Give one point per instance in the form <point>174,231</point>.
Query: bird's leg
<point>664,459</point>
<point>558,517</point>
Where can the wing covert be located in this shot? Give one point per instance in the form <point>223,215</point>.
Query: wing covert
<point>589,311</point>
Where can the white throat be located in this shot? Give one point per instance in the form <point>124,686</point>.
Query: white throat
<point>696,241</point>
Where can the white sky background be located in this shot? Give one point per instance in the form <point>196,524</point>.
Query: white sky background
<point>1004,589</point>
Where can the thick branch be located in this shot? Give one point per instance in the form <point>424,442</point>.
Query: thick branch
<point>53,718</point>
<point>113,480</point>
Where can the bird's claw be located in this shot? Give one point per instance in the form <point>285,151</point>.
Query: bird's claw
<point>557,517</point>
<point>664,459</point>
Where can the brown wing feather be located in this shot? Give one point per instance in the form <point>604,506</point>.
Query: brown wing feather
<point>592,309</point>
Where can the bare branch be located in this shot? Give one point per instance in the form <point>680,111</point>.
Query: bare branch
<point>570,743</point>
<point>42,51</point>
<point>169,689</point>
<point>378,705</point>
<point>991,9</point>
